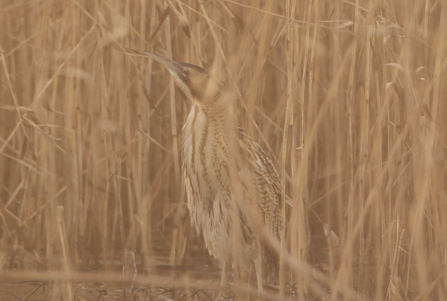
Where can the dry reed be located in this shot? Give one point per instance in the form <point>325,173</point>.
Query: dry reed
<point>348,97</point>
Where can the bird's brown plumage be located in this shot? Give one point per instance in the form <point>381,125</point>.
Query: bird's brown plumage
<point>233,188</point>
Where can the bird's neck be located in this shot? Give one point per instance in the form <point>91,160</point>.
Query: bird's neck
<point>203,118</point>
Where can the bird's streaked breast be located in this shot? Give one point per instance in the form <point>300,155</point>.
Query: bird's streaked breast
<point>206,171</point>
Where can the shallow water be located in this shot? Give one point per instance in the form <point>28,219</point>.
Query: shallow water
<point>124,278</point>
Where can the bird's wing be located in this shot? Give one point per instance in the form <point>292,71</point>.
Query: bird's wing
<point>267,181</point>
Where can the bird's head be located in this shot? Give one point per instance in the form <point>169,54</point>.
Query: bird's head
<point>193,80</point>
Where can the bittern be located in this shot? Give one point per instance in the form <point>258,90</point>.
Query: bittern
<point>233,188</point>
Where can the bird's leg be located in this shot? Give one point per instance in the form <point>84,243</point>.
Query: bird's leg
<point>223,283</point>
<point>258,270</point>
<point>223,280</point>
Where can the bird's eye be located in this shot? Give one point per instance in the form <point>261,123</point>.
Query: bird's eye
<point>186,71</point>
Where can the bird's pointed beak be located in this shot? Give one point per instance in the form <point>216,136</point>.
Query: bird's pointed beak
<point>171,65</point>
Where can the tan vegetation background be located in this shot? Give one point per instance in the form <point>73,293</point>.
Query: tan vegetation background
<point>349,98</point>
